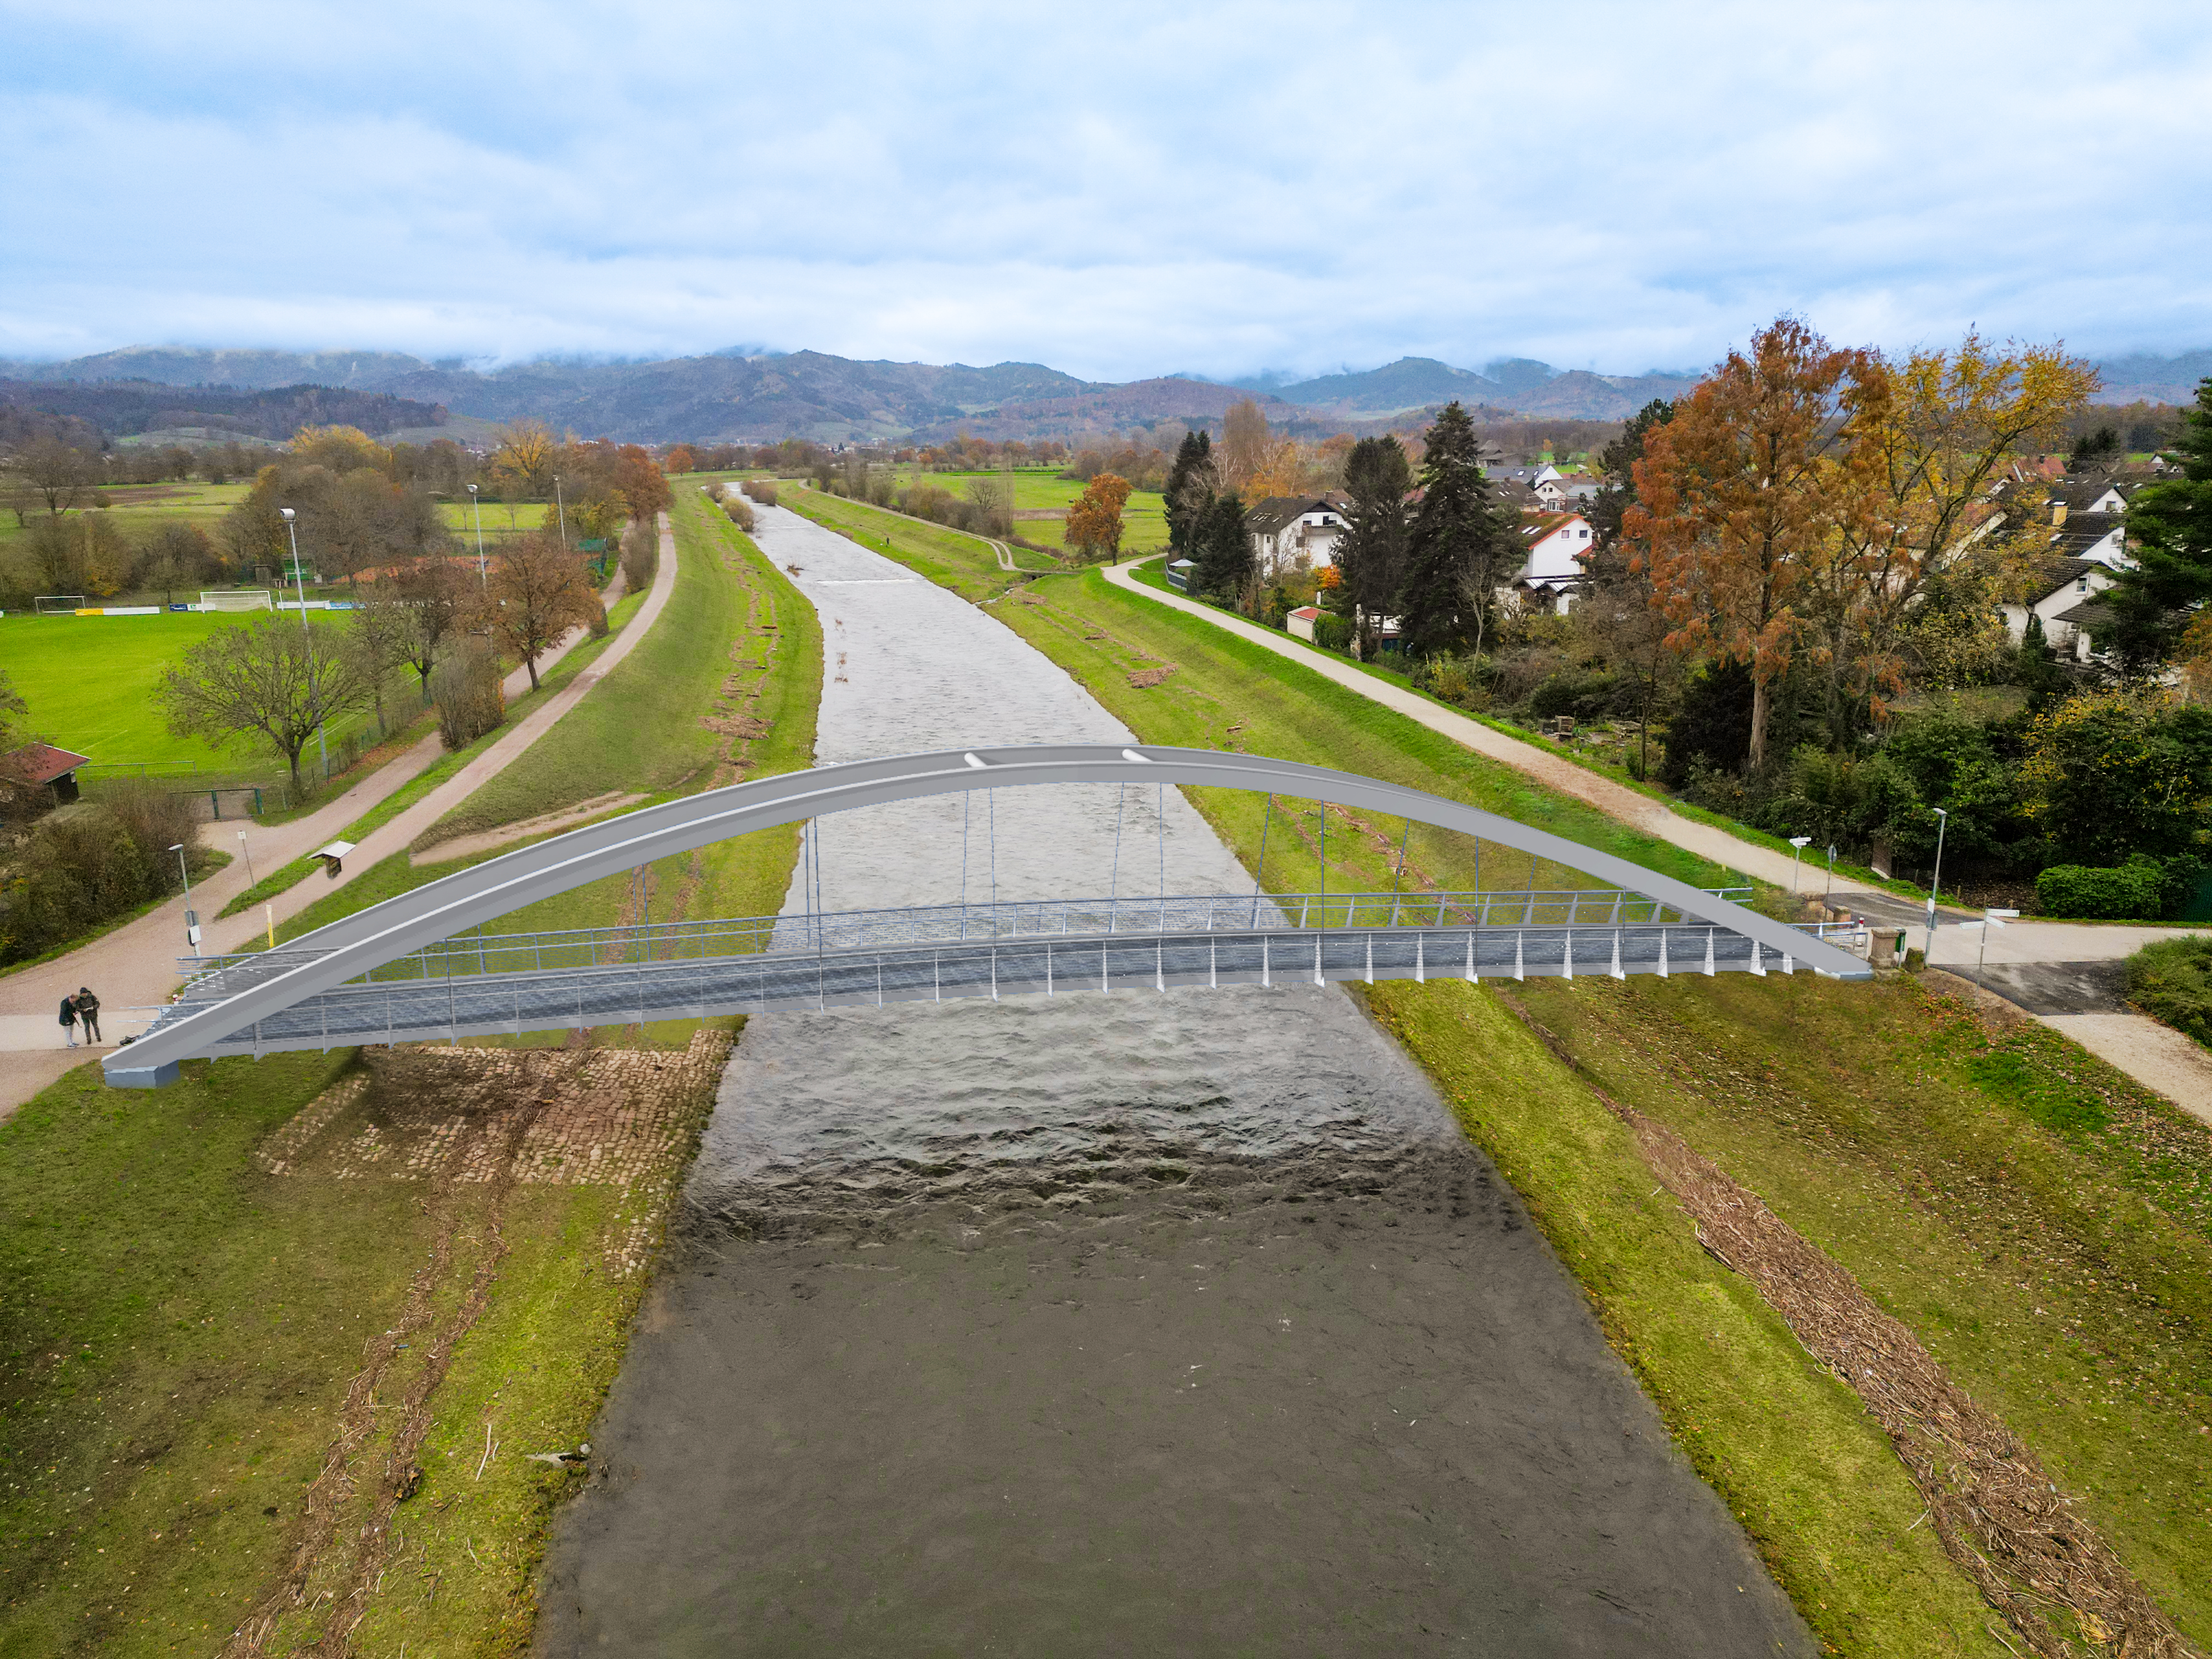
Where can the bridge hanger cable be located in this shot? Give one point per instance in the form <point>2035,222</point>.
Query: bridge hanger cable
<point>967,811</point>
<point>991,813</point>
<point>1114,887</point>
<point>1160,819</point>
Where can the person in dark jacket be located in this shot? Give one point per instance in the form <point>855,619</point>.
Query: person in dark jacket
<point>69,1020</point>
<point>87,1010</point>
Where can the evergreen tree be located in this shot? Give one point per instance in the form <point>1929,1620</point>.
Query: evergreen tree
<point>2170,538</point>
<point>1617,461</point>
<point>1460,547</point>
<point>1370,557</point>
<point>1189,492</point>
<point>1223,549</point>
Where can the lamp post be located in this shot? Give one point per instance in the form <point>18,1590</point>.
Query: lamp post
<point>475,506</point>
<point>1797,846</point>
<point>1830,891</point>
<point>1942,824</point>
<point>300,583</point>
<point>192,918</point>
<point>561,507</point>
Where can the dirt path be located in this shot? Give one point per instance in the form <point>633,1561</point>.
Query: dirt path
<point>135,967</point>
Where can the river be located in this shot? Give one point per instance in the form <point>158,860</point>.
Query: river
<point>1182,1323</point>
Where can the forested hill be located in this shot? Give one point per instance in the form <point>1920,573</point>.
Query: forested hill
<point>121,409</point>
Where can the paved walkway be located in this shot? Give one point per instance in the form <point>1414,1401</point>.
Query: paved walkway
<point>135,967</point>
<point>2154,1054</point>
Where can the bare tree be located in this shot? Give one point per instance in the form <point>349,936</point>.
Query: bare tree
<point>537,595</point>
<point>62,475</point>
<point>263,677</point>
<point>427,603</point>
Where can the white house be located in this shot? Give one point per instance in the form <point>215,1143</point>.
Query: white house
<point>1284,529</point>
<point>1552,569</point>
<point>2061,586</point>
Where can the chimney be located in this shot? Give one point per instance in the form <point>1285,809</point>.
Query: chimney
<point>2057,514</point>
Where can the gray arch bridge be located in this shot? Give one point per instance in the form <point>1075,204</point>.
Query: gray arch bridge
<point>408,970</point>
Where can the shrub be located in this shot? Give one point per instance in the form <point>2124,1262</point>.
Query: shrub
<point>761,490</point>
<point>466,686</point>
<point>72,871</point>
<point>2172,982</point>
<point>156,819</point>
<point>641,553</point>
<point>740,511</point>
<point>2135,888</point>
<point>1333,632</point>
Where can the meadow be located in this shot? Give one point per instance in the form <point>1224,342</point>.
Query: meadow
<point>502,520</point>
<point>89,684</point>
<point>138,510</point>
<point>1144,515</point>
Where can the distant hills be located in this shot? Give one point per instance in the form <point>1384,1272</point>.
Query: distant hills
<point>762,395</point>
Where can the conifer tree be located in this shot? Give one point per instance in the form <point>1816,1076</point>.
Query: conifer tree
<point>1223,549</point>
<point>1370,558</point>
<point>2170,538</point>
<point>1460,546</point>
<point>1190,490</point>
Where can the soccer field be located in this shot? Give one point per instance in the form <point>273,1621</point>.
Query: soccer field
<point>89,682</point>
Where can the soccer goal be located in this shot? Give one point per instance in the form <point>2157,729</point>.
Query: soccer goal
<point>237,599</point>
<point>60,604</point>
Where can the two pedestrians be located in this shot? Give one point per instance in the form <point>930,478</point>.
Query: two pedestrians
<point>82,1007</point>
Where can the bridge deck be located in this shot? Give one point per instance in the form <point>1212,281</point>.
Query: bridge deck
<point>470,987</point>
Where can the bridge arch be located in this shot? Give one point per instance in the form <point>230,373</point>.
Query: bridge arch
<point>344,949</point>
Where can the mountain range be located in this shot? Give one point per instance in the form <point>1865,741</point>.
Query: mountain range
<point>759,397</point>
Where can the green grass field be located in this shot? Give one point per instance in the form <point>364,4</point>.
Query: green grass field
<point>137,510</point>
<point>501,520</point>
<point>90,683</point>
<point>1144,515</point>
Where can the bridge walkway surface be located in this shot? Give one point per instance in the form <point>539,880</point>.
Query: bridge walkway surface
<point>1093,1325</point>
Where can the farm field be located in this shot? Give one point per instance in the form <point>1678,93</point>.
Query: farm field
<point>89,682</point>
<point>502,519</point>
<point>1036,489</point>
<point>137,510</point>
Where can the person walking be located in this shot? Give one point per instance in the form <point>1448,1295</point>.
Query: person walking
<point>69,1020</point>
<point>87,1010</point>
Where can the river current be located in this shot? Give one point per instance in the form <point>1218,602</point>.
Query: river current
<point>1185,1324</point>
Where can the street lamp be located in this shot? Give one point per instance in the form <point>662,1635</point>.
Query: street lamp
<point>1942,824</point>
<point>299,583</point>
<point>192,917</point>
<point>1798,844</point>
<point>476,507</point>
<point>1831,890</point>
<point>560,508</point>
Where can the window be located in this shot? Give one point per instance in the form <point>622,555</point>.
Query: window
<point>2081,584</point>
<point>1583,533</point>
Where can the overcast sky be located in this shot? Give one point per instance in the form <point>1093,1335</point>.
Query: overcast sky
<point>1117,191</point>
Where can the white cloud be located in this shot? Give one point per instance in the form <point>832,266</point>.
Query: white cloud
<point>1163,188</point>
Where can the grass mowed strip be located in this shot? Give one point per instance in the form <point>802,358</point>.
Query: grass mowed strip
<point>253,1349</point>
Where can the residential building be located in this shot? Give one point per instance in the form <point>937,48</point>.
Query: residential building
<point>1284,529</point>
<point>1554,568</point>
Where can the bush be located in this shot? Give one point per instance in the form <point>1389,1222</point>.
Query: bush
<point>740,511</point>
<point>156,819</point>
<point>761,490</point>
<point>72,871</point>
<point>1587,696</point>
<point>466,686</point>
<point>1333,632</point>
<point>2172,982</point>
<point>641,554</point>
<point>2134,890</point>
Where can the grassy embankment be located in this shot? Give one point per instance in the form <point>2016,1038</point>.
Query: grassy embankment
<point>1144,515</point>
<point>1151,574</point>
<point>188,1341</point>
<point>2041,1224</point>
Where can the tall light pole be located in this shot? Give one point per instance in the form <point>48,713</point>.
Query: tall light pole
<point>560,508</point>
<point>191,921</point>
<point>476,507</point>
<point>1942,824</point>
<point>299,583</point>
<point>1797,846</point>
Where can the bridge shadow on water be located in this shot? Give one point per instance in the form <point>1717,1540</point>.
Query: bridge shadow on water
<point>1183,1323</point>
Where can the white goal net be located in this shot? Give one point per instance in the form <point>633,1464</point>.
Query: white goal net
<point>237,599</point>
<point>59,604</point>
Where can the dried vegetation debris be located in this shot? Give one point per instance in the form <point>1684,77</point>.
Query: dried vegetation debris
<point>1998,1514</point>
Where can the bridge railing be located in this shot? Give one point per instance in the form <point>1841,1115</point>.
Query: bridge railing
<point>217,976</point>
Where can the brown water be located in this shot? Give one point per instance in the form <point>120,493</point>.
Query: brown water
<point>1094,1325</point>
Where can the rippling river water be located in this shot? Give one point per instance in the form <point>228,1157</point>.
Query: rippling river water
<point>1184,1323</point>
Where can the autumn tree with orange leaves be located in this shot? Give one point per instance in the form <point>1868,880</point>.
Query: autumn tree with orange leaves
<point>1093,523</point>
<point>1740,497</point>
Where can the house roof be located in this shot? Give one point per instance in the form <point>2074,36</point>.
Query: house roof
<point>2082,530</point>
<point>1277,511</point>
<point>40,763</point>
<point>2089,616</point>
<point>1307,612</point>
<point>2051,575</point>
<point>1534,526</point>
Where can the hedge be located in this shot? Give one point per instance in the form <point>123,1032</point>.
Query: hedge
<point>2135,888</point>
